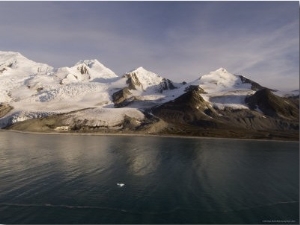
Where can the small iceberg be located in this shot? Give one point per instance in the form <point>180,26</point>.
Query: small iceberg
<point>120,184</point>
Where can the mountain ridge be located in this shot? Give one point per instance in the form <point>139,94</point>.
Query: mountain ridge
<point>89,97</point>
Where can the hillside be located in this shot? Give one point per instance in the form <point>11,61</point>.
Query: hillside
<point>89,97</point>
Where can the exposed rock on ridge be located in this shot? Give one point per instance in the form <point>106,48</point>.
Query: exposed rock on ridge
<point>272,105</point>
<point>188,108</point>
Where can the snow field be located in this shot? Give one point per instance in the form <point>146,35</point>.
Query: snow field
<point>109,117</point>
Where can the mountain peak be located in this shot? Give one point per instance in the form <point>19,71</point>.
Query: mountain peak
<point>139,70</point>
<point>81,99</point>
<point>223,70</point>
<point>10,53</point>
<point>143,74</point>
<point>90,63</point>
<point>5,56</point>
<point>221,80</point>
<point>142,79</point>
<point>218,75</point>
<point>15,60</point>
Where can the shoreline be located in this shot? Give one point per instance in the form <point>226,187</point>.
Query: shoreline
<point>142,135</point>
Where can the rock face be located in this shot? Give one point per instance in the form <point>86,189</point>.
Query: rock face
<point>139,83</point>
<point>273,115</point>
<point>141,79</point>
<point>4,109</point>
<point>254,86</point>
<point>166,84</point>
<point>84,71</point>
<point>189,108</point>
<point>272,105</point>
<point>122,97</point>
<point>133,81</point>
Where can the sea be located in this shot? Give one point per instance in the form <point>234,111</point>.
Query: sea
<point>86,179</point>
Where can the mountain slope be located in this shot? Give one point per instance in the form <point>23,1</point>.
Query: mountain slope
<point>223,101</point>
<point>141,79</point>
<point>272,105</point>
<point>15,71</point>
<point>141,86</point>
<point>224,89</point>
<point>84,71</point>
<point>89,97</point>
<point>189,108</point>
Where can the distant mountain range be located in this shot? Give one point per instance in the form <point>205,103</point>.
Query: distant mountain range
<point>89,97</point>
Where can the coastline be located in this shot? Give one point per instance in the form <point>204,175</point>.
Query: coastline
<point>144,135</point>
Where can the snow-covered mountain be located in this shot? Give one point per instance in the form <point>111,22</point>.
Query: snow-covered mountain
<point>142,88</point>
<point>15,72</point>
<point>223,89</point>
<point>144,80</point>
<point>84,71</point>
<point>90,96</point>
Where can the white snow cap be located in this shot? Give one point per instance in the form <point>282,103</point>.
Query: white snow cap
<point>90,63</point>
<point>221,79</point>
<point>147,78</point>
<point>139,70</point>
<point>221,70</point>
<point>16,60</point>
<point>224,89</point>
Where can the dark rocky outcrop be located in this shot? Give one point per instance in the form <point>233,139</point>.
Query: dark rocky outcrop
<point>4,109</point>
<point>189,108</point>
<point>122,97</point>
<point>191,114</point>
<point>273,105</point>
<point>195,88</point>
<point>253,120</point>
<point>83,70</point>
<point>133,81</point>
<point>254,86</point>
<point>2,70</point>
<point>166,84</point>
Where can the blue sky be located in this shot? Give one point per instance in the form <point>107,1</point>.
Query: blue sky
<point>177,40</point>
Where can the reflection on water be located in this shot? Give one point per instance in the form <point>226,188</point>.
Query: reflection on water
<point>73,179</point>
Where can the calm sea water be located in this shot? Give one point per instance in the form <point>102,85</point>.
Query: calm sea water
<point>73,179</point>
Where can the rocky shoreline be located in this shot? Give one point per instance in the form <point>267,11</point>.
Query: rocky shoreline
<point>159,128</point>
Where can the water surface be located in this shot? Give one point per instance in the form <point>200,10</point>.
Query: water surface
<point>73,179</point>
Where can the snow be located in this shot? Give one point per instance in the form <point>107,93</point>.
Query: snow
<point>96,69</point>
<point>286,93</point>
<point>16,71</point>
<point>36,90</point>
<point>62,128</point>
<point>234,100</point>
<point>224,89</point>
<point>85,71</point>
<point>150,81</point>
<point>110,117</point>
<point>220,81</point>
<point>22,115</point>
<point>14,63</point>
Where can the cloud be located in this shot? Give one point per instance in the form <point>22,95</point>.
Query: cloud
<point>266,58</point>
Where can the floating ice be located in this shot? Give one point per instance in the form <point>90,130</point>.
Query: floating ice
<point>120,184</point>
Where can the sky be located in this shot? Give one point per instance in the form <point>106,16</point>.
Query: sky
<point>177,40</point>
